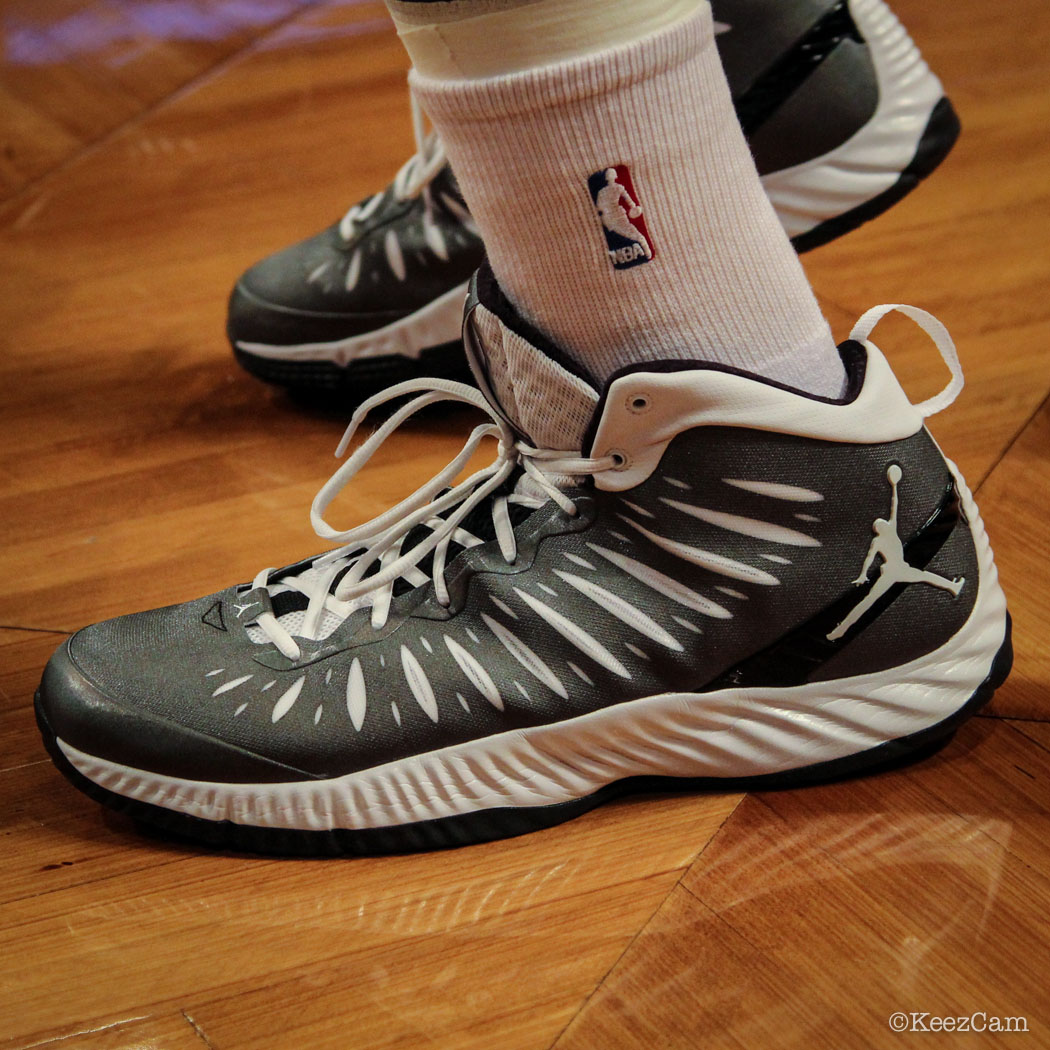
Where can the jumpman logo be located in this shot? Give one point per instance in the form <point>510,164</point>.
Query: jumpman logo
<point>610,200</point>
<point>242,609</point>
<point>894,569</point>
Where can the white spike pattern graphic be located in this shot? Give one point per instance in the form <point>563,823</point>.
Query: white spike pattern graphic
<point>395,712</point>
<point>732,593</point>
<point>434,237</point>
<point>622,610</point>
<point>287,699</point>
<point>664,585</point>
<point>638,510</point>
<point>503,607</point>
<point>233,685</point>
<point>463,702</point>
<point>776,559</point>
<point>356,695</point>
<point>426,645</point>
<point>240,710</point>
<point>687,625</point>
<point>571,632</point>
<point>212,674</point>
<point>582,562</point>
<point>318,713</point>
<point>269,685</point>
<point>775,490</point>
<point>479,677</point>
<point>753,527</point>
<point>472,636</point>
<point>353,271</point>
<point>579,672</point>
<point>418,682</point>
<point>808,517</point>
<point>465,218</point>
<point>640,653</point>
<point>547,590</point>
<point>394,257</point>
<point>525,656</point>
<point>318,272</point>
<point>677,484</point>
<point>521,689</point>
<point>735,570</point>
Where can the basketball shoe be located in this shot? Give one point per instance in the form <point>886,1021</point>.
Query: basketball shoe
<point>692,576</point>
<point>843,117</point>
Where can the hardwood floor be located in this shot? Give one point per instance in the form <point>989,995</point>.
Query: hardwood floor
<point>149,153</point>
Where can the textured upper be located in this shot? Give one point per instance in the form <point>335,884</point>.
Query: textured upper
<point>742,540</point>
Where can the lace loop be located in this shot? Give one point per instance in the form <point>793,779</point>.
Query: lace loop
<point>371,559</point>
<point>941,339</point>
<point>413,177</point>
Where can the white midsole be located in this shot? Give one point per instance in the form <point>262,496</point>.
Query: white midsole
<point>727,733</point>
<point>438,322</point>
<point>872,160</point>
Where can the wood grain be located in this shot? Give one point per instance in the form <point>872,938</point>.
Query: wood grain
<point>139,467</point>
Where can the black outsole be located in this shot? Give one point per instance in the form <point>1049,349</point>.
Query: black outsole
<point>324,382</point>
<point>487,825</point>
<point>941,134</point>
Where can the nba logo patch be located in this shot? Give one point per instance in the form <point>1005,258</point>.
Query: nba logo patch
<point>626,234</point>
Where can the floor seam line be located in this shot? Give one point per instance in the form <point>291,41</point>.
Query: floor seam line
<point>33,630</point>
<point>1010,444</point>
<point>42,181</point>
<point>197,1029</point>
<point>637,933</point>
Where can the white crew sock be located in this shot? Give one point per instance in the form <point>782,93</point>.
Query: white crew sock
<point>529,149</point>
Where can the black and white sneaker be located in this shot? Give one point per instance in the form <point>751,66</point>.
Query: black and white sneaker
<point>843,116</point>
<point>693,574</point>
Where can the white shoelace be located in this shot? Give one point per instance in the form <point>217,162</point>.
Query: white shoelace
<point>413,178</point>
<point>381,539</point>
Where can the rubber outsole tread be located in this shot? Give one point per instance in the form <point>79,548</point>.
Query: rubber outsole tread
<point>491,824</point>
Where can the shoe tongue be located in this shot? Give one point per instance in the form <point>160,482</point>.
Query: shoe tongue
<point>548,404</point>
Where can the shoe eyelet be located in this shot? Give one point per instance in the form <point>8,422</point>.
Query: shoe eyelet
<point>621,461</point>
<point>639,403</point>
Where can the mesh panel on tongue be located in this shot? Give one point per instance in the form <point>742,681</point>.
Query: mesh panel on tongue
<point>549,404</point>
<point>292,622</point>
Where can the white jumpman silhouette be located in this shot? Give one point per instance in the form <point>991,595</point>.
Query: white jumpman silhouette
<point>615,217</point>
<point>894,568</point>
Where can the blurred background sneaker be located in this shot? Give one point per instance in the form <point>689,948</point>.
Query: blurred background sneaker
<point>843,116</point>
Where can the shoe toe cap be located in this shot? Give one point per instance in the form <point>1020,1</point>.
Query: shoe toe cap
<point>299,295</point>
<point>81,718</point>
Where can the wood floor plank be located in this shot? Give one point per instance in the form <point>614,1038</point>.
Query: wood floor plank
<point>72,71</point>
<point>166,1031</point>
<point>22,657</point>
<point>301,943</point>
<point>1015,502</point>
<point>814,915</point>
<point>139,466</point>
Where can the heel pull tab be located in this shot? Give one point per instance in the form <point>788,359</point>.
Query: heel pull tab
<point>941,339</point>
